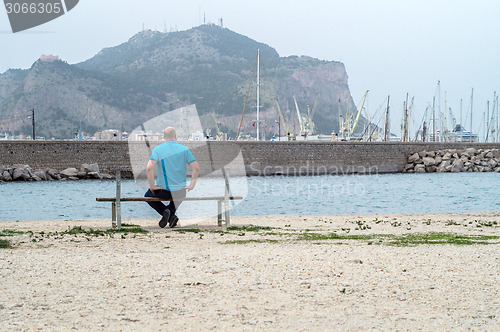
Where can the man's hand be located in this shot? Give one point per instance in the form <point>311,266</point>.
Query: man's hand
<point>150,173</point>
<point>190,187</point>
<point>194,177</point>
<point>155,188</point>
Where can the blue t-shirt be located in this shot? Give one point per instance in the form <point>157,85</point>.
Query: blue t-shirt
<point>171,160</point>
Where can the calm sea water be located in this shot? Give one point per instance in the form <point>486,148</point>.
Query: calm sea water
<point>318,195</point>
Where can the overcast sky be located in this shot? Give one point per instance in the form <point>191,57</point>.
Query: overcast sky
<point>388,47</point>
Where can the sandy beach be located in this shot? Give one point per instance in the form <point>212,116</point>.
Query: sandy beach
<point>384,272</point>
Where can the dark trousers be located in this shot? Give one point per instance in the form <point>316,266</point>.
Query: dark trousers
<point>159,206</point>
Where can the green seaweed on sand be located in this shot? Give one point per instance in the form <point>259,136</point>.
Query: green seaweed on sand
<point>411,239</point>
<point>4,244</point>
<point>250,228</point>
<point>96,232</point>
<point>10,232</point>
<point>441,238</point>
<point>250,241</point>
<point>187,230</point>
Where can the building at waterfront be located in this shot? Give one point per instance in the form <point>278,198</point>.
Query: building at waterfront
<point>108,135</point>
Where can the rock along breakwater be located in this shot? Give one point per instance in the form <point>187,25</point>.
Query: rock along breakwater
<point>453,160</point>
<point>20,172</point>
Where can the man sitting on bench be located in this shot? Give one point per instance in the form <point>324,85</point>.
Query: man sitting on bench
<point>170,159</point>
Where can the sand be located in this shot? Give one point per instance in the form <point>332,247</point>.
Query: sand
<point>267,279</point>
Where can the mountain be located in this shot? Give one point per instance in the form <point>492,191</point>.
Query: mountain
<point>153,72</point>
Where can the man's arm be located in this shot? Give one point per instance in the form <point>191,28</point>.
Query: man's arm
<point>195,168</point>
<point>150,173</point>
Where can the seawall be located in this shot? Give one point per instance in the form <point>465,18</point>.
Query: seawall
<point>256,158</point>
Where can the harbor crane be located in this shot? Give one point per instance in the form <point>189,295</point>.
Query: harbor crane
<point>306,123</point>
<point>289,134</point>
<point>310,115</point>
<point>302,119</point>
<point>351,130</point>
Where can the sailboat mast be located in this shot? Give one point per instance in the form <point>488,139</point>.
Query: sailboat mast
<point>471,107</point>
<point>481,123</point>
<point>445,124</point>
<point>434,119</point>
<point>258,94</point>
<point>492,121</point>
<point>341,124</point>
<point>402,128</point>
<point>440,114</point>
<point>461,123</point>
<point>487,121</point>
<point>387,129</point>
<point>348,119</point>
<point>498,124</point>
<point>406,131</point>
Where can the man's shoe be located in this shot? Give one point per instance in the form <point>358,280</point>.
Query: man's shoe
<point>165,219</point>
<point>173,221</point>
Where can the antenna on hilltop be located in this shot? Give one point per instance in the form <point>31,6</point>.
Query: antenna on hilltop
<point>204,19</point>
<point>221,24</point>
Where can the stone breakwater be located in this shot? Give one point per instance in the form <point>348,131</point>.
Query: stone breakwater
<point>258,158</point>
<point>453,160</point>
<point>20,172</point>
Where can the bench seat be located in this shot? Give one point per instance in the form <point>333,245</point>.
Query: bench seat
<point>116,208</point>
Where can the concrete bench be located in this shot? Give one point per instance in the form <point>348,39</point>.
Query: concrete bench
<point>117,200</point>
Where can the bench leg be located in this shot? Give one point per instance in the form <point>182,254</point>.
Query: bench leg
<point>226,212</point>
<point>118,215</point>
<point>219,213</point>
<point>113,214</point>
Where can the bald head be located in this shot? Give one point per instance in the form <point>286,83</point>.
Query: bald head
<point>169,134</point>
